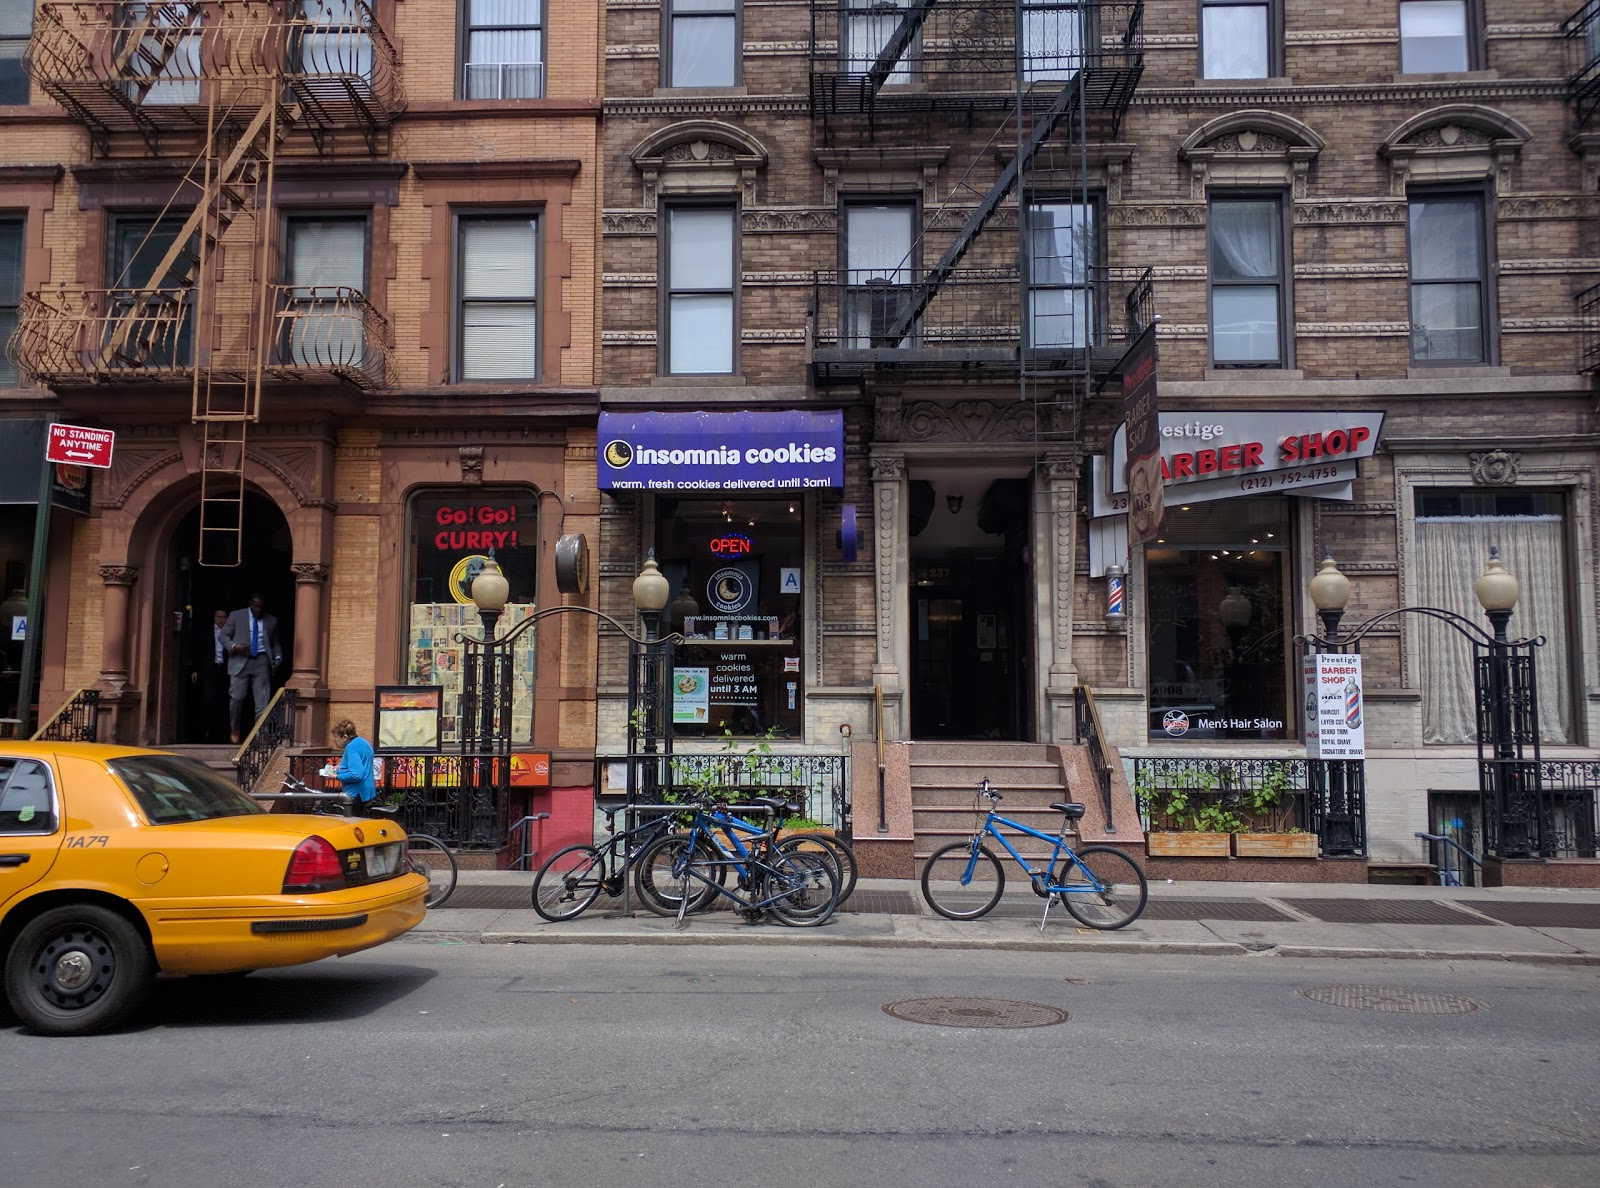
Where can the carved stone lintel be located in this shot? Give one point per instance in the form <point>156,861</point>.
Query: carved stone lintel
<point>1494,468</point>
<point>119,575</point>
<point>471,465</point>
<point>309,573</point>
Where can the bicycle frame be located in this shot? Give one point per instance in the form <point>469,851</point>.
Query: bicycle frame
<point>706,827</point>
<point>1059,847</point>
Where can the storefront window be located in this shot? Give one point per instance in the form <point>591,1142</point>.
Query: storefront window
<point>452,535</point>
<point>1219,650</point>
<point>736,568</point>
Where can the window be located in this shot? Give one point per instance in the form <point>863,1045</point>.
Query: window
<point>701,271</point>
<point>504,40</point>
<point>1448,294</point>
<point>1052,40</point>
<point>16,25</point>
<point>1241,38</point>
<point>869,25</point>
<point>499,286</point>
<point>1063,253</point>
<point>1433,37</point>
<point>158,306</point>
<point>10,291</point>
<point>166,68</point>
<point>172,789</point>
<point>878,272</point>
<point>1247,282</point>
<point>332,38</point>
<point>1454,531</point>
<point>703,43</point>
<point>26,803</point>
<point>1216,583</point>
<point>326,268</point>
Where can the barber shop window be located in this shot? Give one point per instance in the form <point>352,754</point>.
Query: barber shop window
<point>735,567</point>
<point>1216,616</point>
<point>453,533</point>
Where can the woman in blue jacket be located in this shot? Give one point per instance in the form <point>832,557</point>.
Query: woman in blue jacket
<point>355,769</point>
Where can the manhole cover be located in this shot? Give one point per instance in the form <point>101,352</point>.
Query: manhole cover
<point>1391,1001</point>
<point>975,1012</point>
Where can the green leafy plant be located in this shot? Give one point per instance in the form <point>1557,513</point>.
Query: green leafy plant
<point>1213,818</point>
<point>1265,800</point>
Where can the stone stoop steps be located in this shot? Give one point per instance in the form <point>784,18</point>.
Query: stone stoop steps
<point>217,756</point>
<point>946,806</point>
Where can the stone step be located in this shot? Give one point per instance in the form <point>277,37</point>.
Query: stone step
<point>1000,776</point>
<point>979,751</point>
<point>968,795</point>
<point>216,756</point>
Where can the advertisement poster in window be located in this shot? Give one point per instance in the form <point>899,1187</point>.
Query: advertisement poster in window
<point>407,717</point>
<point>691,696</point>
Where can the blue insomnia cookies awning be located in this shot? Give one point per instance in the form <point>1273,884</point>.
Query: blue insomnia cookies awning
<point>721,451</point>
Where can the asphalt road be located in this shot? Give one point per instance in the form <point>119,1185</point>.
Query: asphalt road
<point>445,1064</point>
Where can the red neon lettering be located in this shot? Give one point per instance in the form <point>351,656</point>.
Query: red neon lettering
<point>1206,461</point>
<point>1184,465</point>
<point>1252,453</point>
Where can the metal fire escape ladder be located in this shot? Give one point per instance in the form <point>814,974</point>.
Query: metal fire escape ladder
<point>904,34</point>
<point>148,46</point>
<point>922,295</point>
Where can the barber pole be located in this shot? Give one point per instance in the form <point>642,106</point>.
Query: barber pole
<point>1114,584</point>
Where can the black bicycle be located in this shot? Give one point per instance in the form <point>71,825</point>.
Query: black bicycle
<point>573,878</point>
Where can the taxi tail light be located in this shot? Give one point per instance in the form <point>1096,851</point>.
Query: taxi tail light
<point>314,866</point>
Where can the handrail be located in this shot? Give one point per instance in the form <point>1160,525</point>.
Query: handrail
<point>1092,735</point>
<point>273,727</point>
<point>877,724</point>
<point>77,719</point>
<point>1453,844</point>
<point>527,854</point>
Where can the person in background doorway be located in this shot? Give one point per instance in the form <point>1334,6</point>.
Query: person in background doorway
<point>211,679</point>
<point>251,637</point>
<point>355,769</point>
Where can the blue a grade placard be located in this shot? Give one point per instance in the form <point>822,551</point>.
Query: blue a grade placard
<point>721,451</point>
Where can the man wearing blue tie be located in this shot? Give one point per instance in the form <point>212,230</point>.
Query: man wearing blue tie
<point>251,639</point>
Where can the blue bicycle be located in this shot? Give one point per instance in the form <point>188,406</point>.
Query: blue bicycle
<point>1100,885</point>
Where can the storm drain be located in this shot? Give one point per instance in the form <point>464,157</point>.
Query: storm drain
<point>1390,1001</point>
<point>975,1012</point>
<point>1381,911</point>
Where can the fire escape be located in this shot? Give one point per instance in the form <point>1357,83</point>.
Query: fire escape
<point>1018,290</point>
<point>233,88</point>
<point>1581,32</point>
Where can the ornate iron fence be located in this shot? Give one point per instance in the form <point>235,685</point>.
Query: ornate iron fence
<point>1224,795</point>
<point>816,782</point>
<point>78,720</point>
<point>1569,808</point>
<point>460,799</point>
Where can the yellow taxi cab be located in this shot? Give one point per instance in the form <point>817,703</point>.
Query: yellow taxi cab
<point>118,863</point>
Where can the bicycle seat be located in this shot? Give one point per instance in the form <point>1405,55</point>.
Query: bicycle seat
<point>610,810</point>
<point>1073,811</point>
<point>783,807</point>
<point>382,810</point>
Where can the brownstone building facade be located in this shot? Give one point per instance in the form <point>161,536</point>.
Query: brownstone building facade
<point>328,270</point>
<point>1364,230</point>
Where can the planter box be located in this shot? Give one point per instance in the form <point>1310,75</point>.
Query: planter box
<point>1275,845</point>
<point>1186,845</point>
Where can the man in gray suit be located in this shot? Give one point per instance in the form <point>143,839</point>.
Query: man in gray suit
<point>250,637</point>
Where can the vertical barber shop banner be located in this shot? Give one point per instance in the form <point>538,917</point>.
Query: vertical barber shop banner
<point>1146,509</point>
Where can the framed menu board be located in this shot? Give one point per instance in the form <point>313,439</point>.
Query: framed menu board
<point>407,717</point>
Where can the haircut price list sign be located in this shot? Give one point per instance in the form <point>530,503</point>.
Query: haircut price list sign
<point>1335,727</point>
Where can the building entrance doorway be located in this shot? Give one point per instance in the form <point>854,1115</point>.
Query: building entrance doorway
<point>971,607</point>
<point>194,702</point>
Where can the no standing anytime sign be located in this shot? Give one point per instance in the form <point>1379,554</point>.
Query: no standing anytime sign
<point>77,445</point>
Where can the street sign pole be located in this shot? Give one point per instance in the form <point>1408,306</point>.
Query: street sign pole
<point>34,639</point>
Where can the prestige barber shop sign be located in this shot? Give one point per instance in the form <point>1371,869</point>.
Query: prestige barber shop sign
<point>726,451</point>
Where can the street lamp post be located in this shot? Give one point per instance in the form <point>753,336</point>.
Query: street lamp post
<point>650,593</point>
<point>489,590</point>
<point>1497,591</point>
<point>1330,594</point>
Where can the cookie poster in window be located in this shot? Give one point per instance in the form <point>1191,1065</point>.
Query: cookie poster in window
<point>407,717</point>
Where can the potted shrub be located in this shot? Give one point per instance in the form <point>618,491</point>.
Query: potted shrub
<point>1193,830</point>
<point>1268,835</point>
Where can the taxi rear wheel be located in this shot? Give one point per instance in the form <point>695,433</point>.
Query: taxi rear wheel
<point>77,969</point>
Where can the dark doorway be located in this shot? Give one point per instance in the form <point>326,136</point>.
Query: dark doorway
<point>971,643</point>
<point>199,703</point>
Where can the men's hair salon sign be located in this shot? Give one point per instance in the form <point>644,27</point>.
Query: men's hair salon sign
<point>1220,455</point>
<point>721,451</point>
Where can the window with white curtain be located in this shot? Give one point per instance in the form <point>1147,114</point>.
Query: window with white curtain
<point>504,44</point>
<point>499,298</point>
<point>1240,38</point>
<point>1063,250</point>
<point>1247,282</point>
<point>878,272</point>
<point>701,267</point>
<point>16,25</point>
<point>1053,39</point>
<point>1454,531</point>
<point>703,43</point>
<point>327,275</point>
<point>1435,36</point>
<point>868,27</point>
<point>1448,292</point>
<point>10,291</point>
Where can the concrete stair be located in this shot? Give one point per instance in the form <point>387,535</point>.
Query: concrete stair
<point>945,803</point>
<point>217,756</point>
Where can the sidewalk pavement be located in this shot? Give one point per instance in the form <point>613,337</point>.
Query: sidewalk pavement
<point>1543,925</point>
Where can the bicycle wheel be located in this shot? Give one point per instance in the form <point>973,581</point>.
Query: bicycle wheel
<point>802,888</point>
<point>1122,894</point>
<point>568,883</point>
<point>663,871</point>
<point>429,857</point>
<point>843,857</point>
<point>949,889</point>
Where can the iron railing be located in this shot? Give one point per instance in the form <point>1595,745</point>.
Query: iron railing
<point>1453,864</point>
<point>1567,808</point>
<point>273,729</point>
<point>77,720</point>
<point>1086,720</point>
<point>871,56</point>
<point>1588,303</point>
<point>816,782</point>
<point>1224,795</point>
<point>331,330</point>
<point>1581,32</point>
<point>463,800</point>
<point>151,67</point>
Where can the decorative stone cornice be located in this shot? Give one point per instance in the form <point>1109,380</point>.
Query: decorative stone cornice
<point>699,156</point>
<point>1457,142</point>
<point>1494,468</point>
<point>309,573</point>
<point>119,575</point>
<point>1255,147</point>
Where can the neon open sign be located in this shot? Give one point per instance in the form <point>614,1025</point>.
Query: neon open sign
<point>731,544</point>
